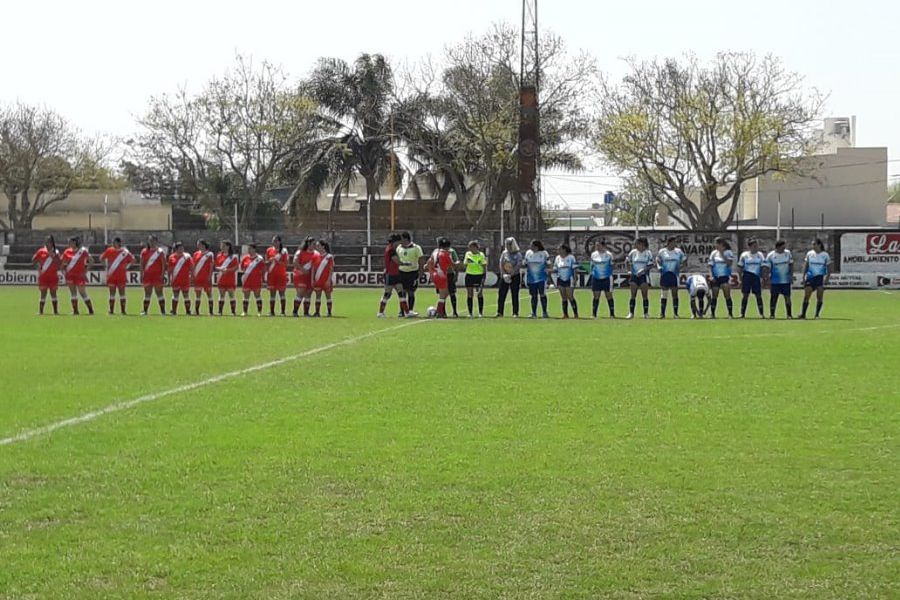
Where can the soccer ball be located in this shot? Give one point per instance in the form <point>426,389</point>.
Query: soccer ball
<point>431,312</point>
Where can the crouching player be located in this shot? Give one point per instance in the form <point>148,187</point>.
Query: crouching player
<point>47,261</point>
<point>698,290</point>
<point>180,265</point>
<point>204,261</point>
<point>251,284</point>
<point>117,258</point>
<point>321,279</point>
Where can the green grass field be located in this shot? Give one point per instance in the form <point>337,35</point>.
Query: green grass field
<point>459,459</point>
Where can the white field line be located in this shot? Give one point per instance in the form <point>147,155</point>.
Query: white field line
<point>795,332</point>
<point>120,406</point>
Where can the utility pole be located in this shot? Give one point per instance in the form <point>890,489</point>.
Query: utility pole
<point>529,147</point>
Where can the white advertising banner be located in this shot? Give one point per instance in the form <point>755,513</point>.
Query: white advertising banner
<point>870,253</point>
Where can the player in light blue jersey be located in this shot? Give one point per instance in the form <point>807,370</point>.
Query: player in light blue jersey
<point>565,267</point>
<point>536,260</point>
<point>720,261</point>
<point>779,274</point>
<point>817,269</point>
<point>750,266</point>
<point>602,277</point>
<point>669,261</point>
<point>639,262</point>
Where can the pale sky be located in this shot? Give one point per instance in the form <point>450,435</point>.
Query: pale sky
<point>97,61</point>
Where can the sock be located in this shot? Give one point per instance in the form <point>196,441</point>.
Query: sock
<point>759,304</point>
<point>787,305</point>
<point>544,304</point>
<point>162,305</point>
<point>272,306</point>
<point>233,307</point>
<point>744,306</point>
<point>595,306</point>
<point>441,308</point>
<point>469,305</point>
<point>174,306</point>
<point>209,304</point>
<point>298,302</point>
<point>41,306</point>
<point>283,305</point>
<point>534,304</point>
<point>404,305</point>
<point>574,308</point>
<point>221,306</point>
<point>74,306</point>
<point>246,304</point>
<point>675,306</point>
<point>318,306</point>
<point>694,307</point>
<point>383,304</point>
<point>730,304</point>
<point>647,307</point>
<point>196,306</point>
<point>90,306</point>
<point>819,304</point>
<point>306,307</point>
<point>612,307</point>
<point>122,305</point>
<point>259,306</point>
<point>805,307</point>
<point>662,307</point>
<point>712,306</point>
<point>480,305</point>
<point>773,305</point>
<point>565,305</point>
<point>453,303</point>
<point>328,305</point>
<point>411,300</point>
<point>112,304</point>
<point>631,304</point>
<point>146,304</point>
<point>55,303</point>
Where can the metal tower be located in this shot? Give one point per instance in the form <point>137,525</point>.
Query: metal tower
<point>529,155</point>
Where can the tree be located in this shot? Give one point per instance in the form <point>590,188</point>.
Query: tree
<point>354,105</point>
<point>634,205</point>
<point>694,133</point>
<point>469,136</point>
<point>42,159</point>
<point>226,146</point>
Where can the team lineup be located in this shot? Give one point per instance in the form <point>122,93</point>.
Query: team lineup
<point>310,270</point>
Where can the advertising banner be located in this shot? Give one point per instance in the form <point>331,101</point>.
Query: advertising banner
<point>870,253</point>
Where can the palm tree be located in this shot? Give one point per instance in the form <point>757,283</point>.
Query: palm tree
<point>354,112</point>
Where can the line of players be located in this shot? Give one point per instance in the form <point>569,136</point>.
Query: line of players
<point>312,263</point>
<point>754,269</point>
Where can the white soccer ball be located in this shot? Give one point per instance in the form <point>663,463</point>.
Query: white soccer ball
<point>431,312</point>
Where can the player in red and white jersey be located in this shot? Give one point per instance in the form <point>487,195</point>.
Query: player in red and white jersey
<point>392,277</point>
<point>253,267</point>
<point>180,266</point>
<point>153,268</point>
<point>227,264</point>
<point>323,270</point>
<point>277,261</point>
<point>116,258</point>
<point>304,261</point>
<point>75,262</point>
<point>204,261</point>
<point>440,266</point>
<point>47,261</point>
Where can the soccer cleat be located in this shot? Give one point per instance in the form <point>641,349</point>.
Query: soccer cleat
<point>532,316</point>
<point>646,316</point>
<point>380,315</point>
<point>629,317</point>
<point>675,317</point>
<point>480,316</point>
<point>243,314</point>
<point>412,314</point>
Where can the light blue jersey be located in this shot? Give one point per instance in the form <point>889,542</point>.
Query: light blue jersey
<point>781,266</point>
<point>670,261</point>
<point>752,262</point>
<point>720,263</point>
<point>536,265</point>
<point>640,261</point>
<point>565,267</point>
<point>601,264</point>
<point>695,283</point>
<point>817,264</point>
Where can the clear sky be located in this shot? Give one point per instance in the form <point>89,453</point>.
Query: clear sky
<point>97,61</point>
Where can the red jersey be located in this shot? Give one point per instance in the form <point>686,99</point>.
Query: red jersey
<point>227,267</point>
<point>391,268</point>
<point>278,261</point>
<point>253,271</point>
<point>441,263</point>
<point>307,260</point>
<point>203,261</point>
<point>48,265</point>
<point>153,265</point>
<point>323,270</point>
<point>117,261</point>
<point>75,262</point>
<point>180,265</point>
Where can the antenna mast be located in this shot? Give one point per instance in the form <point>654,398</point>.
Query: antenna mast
<point>529,120</point>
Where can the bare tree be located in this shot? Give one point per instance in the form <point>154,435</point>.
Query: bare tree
<point>42,159</point>
<point>694,133</point>
<point>225,146</point>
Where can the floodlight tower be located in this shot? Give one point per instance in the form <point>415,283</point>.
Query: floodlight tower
<point>529,155</point>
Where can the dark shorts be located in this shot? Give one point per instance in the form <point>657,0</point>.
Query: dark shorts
<point>409,280</point>
<point>668,280</point>
<point>781,289</point>
<point>720,281</point>
<point>474,281</point>
<point>640,280</point>
<point>391,280</point>
<point>816,282</point>
<point>751,284</point>
<point>602,285</point>
<point>536,288</point>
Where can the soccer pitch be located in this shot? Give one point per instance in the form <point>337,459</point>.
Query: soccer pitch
<point>356,457</point>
